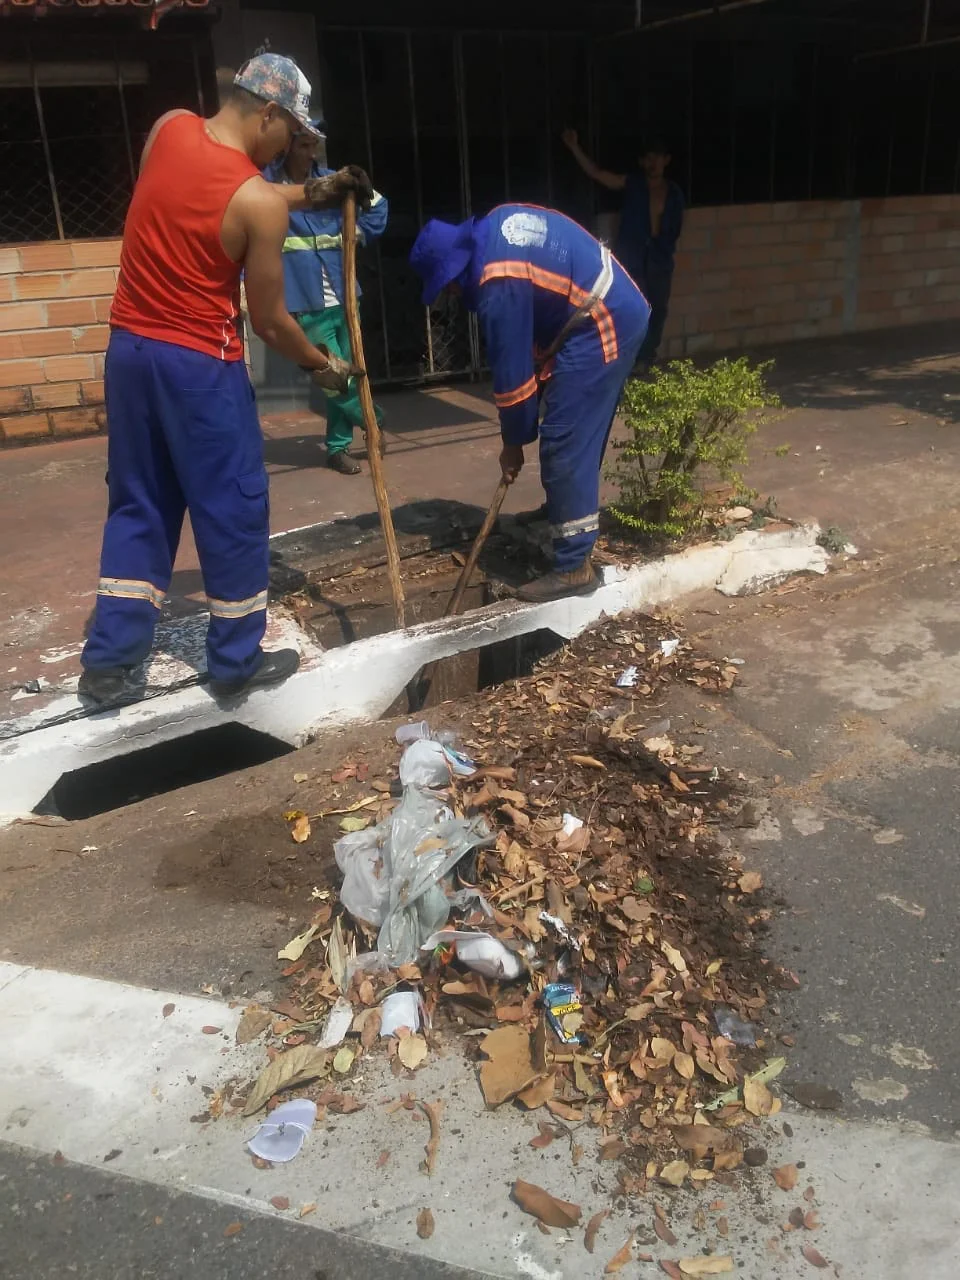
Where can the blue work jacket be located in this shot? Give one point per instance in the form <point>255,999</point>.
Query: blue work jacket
<point>314,239</point>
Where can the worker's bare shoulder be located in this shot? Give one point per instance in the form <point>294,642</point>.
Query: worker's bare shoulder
<point>259,205</point>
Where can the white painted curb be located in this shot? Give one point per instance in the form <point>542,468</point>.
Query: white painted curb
<point>359,681</point>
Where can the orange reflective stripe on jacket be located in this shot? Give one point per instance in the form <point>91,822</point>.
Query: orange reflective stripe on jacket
<point>510,269</point>
<point>507,399</point>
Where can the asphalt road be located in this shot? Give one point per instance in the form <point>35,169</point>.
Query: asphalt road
<point>60,1220</point>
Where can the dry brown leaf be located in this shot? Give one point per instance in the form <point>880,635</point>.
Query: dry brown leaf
<point>638,912</point>
<point>810,1220</point>
<point>663,1231</point>
<point>253,1023</point>
<point>674,1173</point>
<point>300,828</point>
<point>612,1149</point>
<point>662,1048</point>
<point>786,1176</point>
<point>757,1098</point>
<point>690,1137</point>
<point>233,1228</point>
<point>538,1093</point>
<point>674,956</point>
<point>412,1051</point>
<point>543,1138</point>
<point>671,1268</point>
<point>280,1202</point>
<point>723,1227</point>
<point>211,1031</point>
<point>545,1207</point>
<point>593,1226</point>
<point>516,816</point>
<point>563,1111</point>
<point>814,1255</point>
<point>168,1009</point>
<point>684,1066</point>
<point>587,762</point>
<point>370,1027</point>
<point>677,783</point>
<point>621,1257</point>
<point>297,1066</point>
<point>425,1224</point>
<point>509,1066</point>
<point>728,1159</point>
<point>702,1266</point>
<point>750,882</point>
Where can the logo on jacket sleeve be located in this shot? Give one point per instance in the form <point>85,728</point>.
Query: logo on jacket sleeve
<point>525,229</point>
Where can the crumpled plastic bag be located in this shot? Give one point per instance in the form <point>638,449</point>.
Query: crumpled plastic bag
<point>392,872</point>
<point>428,763</point>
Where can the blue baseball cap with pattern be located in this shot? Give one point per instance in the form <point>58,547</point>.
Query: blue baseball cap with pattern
<point>277,79</point>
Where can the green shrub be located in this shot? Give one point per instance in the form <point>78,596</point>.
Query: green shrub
<point>681,420</point>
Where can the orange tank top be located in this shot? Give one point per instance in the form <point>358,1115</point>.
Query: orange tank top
<point>176,282</point>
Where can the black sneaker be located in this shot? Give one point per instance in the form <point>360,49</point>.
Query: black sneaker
<point>343,463</point>
<point>104,685</point>
<point>276,666</point>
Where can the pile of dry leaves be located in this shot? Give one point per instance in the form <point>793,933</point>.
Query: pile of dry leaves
<point>603,872</point>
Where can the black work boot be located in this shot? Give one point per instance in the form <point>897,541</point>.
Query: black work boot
<point>582,581</point>
<point>276,666</point>
<point>343,463</point>
<point>104,685</point>
<point>538,516</point>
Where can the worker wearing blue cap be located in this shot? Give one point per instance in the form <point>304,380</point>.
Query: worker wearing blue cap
<point>313,280</point>
<point>557,312</point>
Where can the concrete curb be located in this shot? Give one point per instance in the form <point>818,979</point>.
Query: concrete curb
<point>359,681</point>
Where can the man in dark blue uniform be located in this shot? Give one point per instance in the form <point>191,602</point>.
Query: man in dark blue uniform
<point>556,311</point>
<point>651,219</point>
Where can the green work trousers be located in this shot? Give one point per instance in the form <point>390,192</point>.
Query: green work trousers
<point>329,327</point>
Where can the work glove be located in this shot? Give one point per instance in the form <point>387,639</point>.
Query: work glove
<point>333,188</point>
<point>335,375</point>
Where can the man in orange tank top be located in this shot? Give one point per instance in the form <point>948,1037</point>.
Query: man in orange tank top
<point>183,432</point>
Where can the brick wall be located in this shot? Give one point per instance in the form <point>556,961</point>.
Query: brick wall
<point>746,275</point>
<point>54,306</point>
<point>753,274</point>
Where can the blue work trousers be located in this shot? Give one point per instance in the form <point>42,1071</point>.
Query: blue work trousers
<point>183,435</point>
<point>580,401</point>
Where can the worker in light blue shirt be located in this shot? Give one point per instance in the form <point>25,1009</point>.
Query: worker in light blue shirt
<point>558,314</point>
<point>313,280</point>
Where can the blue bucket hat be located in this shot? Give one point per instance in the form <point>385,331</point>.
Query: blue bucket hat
<point>440,253</point>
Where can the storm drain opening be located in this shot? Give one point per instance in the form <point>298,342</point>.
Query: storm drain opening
<point>158,769</point>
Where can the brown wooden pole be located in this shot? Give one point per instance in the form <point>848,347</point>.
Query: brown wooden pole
<point>456,599</point>
<point>370,425</point>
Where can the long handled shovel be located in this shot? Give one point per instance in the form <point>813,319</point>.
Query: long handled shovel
<point>370,424</point>
<point>421,685</point>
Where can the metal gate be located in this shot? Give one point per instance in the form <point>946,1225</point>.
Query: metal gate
<point>449,124</point>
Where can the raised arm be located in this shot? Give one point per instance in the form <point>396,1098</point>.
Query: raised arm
<point>615,181</point>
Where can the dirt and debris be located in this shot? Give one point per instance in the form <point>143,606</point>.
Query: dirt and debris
<point>608,876</point>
